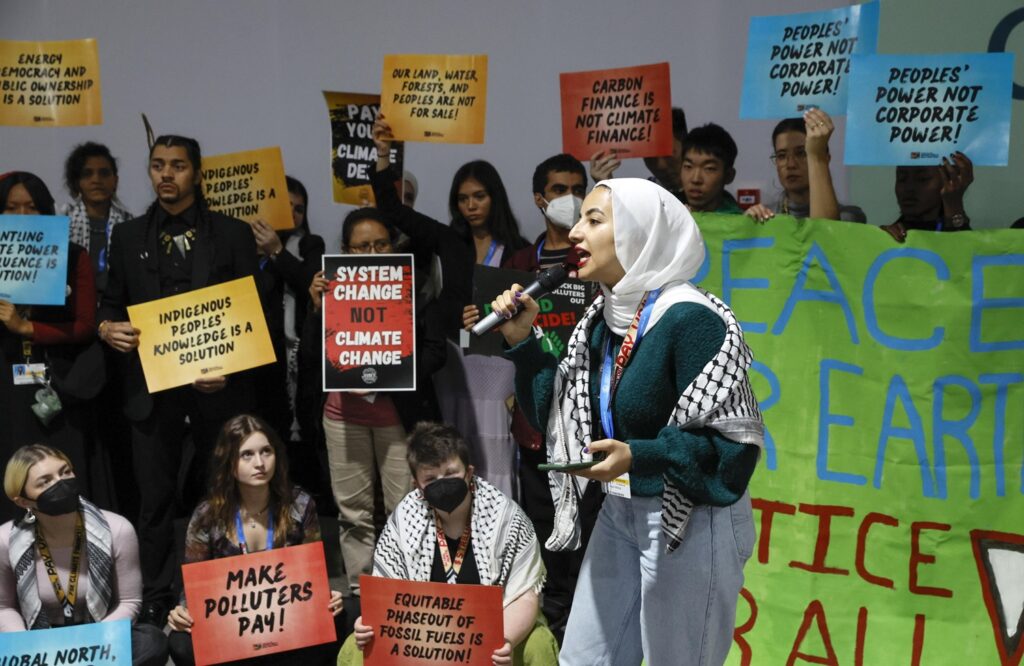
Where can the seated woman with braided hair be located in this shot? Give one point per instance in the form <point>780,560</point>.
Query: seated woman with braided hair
<point>65,561</point>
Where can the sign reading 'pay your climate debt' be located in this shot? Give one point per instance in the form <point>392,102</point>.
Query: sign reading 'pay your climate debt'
<point>353,152</point>
<point>435,98</point>
<point>368,323</point>
<point>208,332</point>
<point>46,84</point>
<point>249,185</point>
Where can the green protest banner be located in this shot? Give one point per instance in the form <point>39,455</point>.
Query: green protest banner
<point>889,499</point>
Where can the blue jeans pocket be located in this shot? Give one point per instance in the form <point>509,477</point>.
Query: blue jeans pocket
<point>743,527</point>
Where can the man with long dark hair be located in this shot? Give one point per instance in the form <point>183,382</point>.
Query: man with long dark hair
<point>178,245</point>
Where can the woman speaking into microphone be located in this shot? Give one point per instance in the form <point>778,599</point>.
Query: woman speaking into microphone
<point>652,399</point>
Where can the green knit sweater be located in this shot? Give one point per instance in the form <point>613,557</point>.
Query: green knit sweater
<point>707,467</point>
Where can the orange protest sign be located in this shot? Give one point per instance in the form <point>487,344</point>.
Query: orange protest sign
<point>628,110</point>
<point>211,331</point>
<point>430,623</point>
<point>50,84</point>
<point>249,185</point>
<point>353,153</point>
<point>266,602</point>
<point>435,98</point>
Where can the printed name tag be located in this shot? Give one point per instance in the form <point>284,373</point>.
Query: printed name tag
<point>619,486</point>
<point>29,373</point>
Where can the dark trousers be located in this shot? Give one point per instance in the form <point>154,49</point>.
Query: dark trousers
<point>563,566</point>
<point>158,444</point>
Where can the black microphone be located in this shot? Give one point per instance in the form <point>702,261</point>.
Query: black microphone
<point>546,282</point>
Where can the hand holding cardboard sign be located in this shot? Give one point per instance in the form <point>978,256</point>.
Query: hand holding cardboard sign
<point>13,321</point>
<point>267,239</point>
<point>120,335</point>
<point>603,164</point>
<point>382,139</point>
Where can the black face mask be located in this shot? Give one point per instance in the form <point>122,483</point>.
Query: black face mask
<point>59,499</point>
<point>446,494</point>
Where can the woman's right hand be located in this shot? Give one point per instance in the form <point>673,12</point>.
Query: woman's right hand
<point>470,316</point>
<point>316,289</point>
<point>603,164</point>
<point>759,213</point>
<point>180,619</point>
<point>382,140</point>
<point>519,326</point>
<point>363,633</point>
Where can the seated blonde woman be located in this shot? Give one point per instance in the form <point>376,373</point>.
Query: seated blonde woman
<point>94,553</point>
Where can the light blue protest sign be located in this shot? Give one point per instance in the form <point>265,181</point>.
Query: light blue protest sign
<point>915,109</point>
<point>799,61</point>
<point>85,644</point>
<point>33,259</point>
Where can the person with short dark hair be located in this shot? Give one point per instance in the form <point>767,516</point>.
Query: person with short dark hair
<point>64,561</point>
<point>90,175</point>
<point>456,528</point>
<point>251,506</point>
<point>801,158</point>
<point>709,158</point>
<point>177,246</point>
<point>931,198</point>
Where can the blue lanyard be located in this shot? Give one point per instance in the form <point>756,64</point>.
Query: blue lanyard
<point>607,368</point>
<point>540,248</point>
<point>490,253</point>
<point>241,533</point>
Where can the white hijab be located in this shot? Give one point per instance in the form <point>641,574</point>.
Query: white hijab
<point>658,244</point>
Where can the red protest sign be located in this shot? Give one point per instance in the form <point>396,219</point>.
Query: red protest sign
<point>430,623</point>
<point>627,109</point>
<point>368,325</point>
<point>266,602</point>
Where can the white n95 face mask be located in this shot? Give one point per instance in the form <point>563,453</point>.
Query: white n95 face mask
<point>564,211</point>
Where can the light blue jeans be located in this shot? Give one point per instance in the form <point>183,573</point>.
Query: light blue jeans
<point>633,600</point>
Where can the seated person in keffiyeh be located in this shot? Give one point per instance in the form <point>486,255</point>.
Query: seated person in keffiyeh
<point>488,540</point>
<point>65,561</point>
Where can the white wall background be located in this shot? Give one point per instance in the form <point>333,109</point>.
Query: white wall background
<point>241,74</point>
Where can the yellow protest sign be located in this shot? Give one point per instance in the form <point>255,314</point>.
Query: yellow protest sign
<point>435,98</point>
<point>249,185</point>
<point>208,332</point>
<point>46,84</point>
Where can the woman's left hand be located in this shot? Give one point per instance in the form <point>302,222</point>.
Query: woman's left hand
<point>503,655</point>
<point>618,460</point>
<point>13,321</point>
<point>337,603</point>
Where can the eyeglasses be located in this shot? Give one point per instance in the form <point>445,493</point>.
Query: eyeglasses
<point>378,247</point>
<point>782,156</point>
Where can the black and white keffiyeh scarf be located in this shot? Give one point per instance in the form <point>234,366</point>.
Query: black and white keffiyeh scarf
<point>720,397</point>
<point>80,233</point>
<point>505,546</point>
<point>99,548</point>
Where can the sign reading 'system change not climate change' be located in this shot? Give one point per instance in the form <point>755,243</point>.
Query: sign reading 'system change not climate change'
<point>916,109</point>
<point>803,60</point>
<point>212,331</point>
<point>435,98</point>
<point>50,83</point>
<point>368,323</point>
